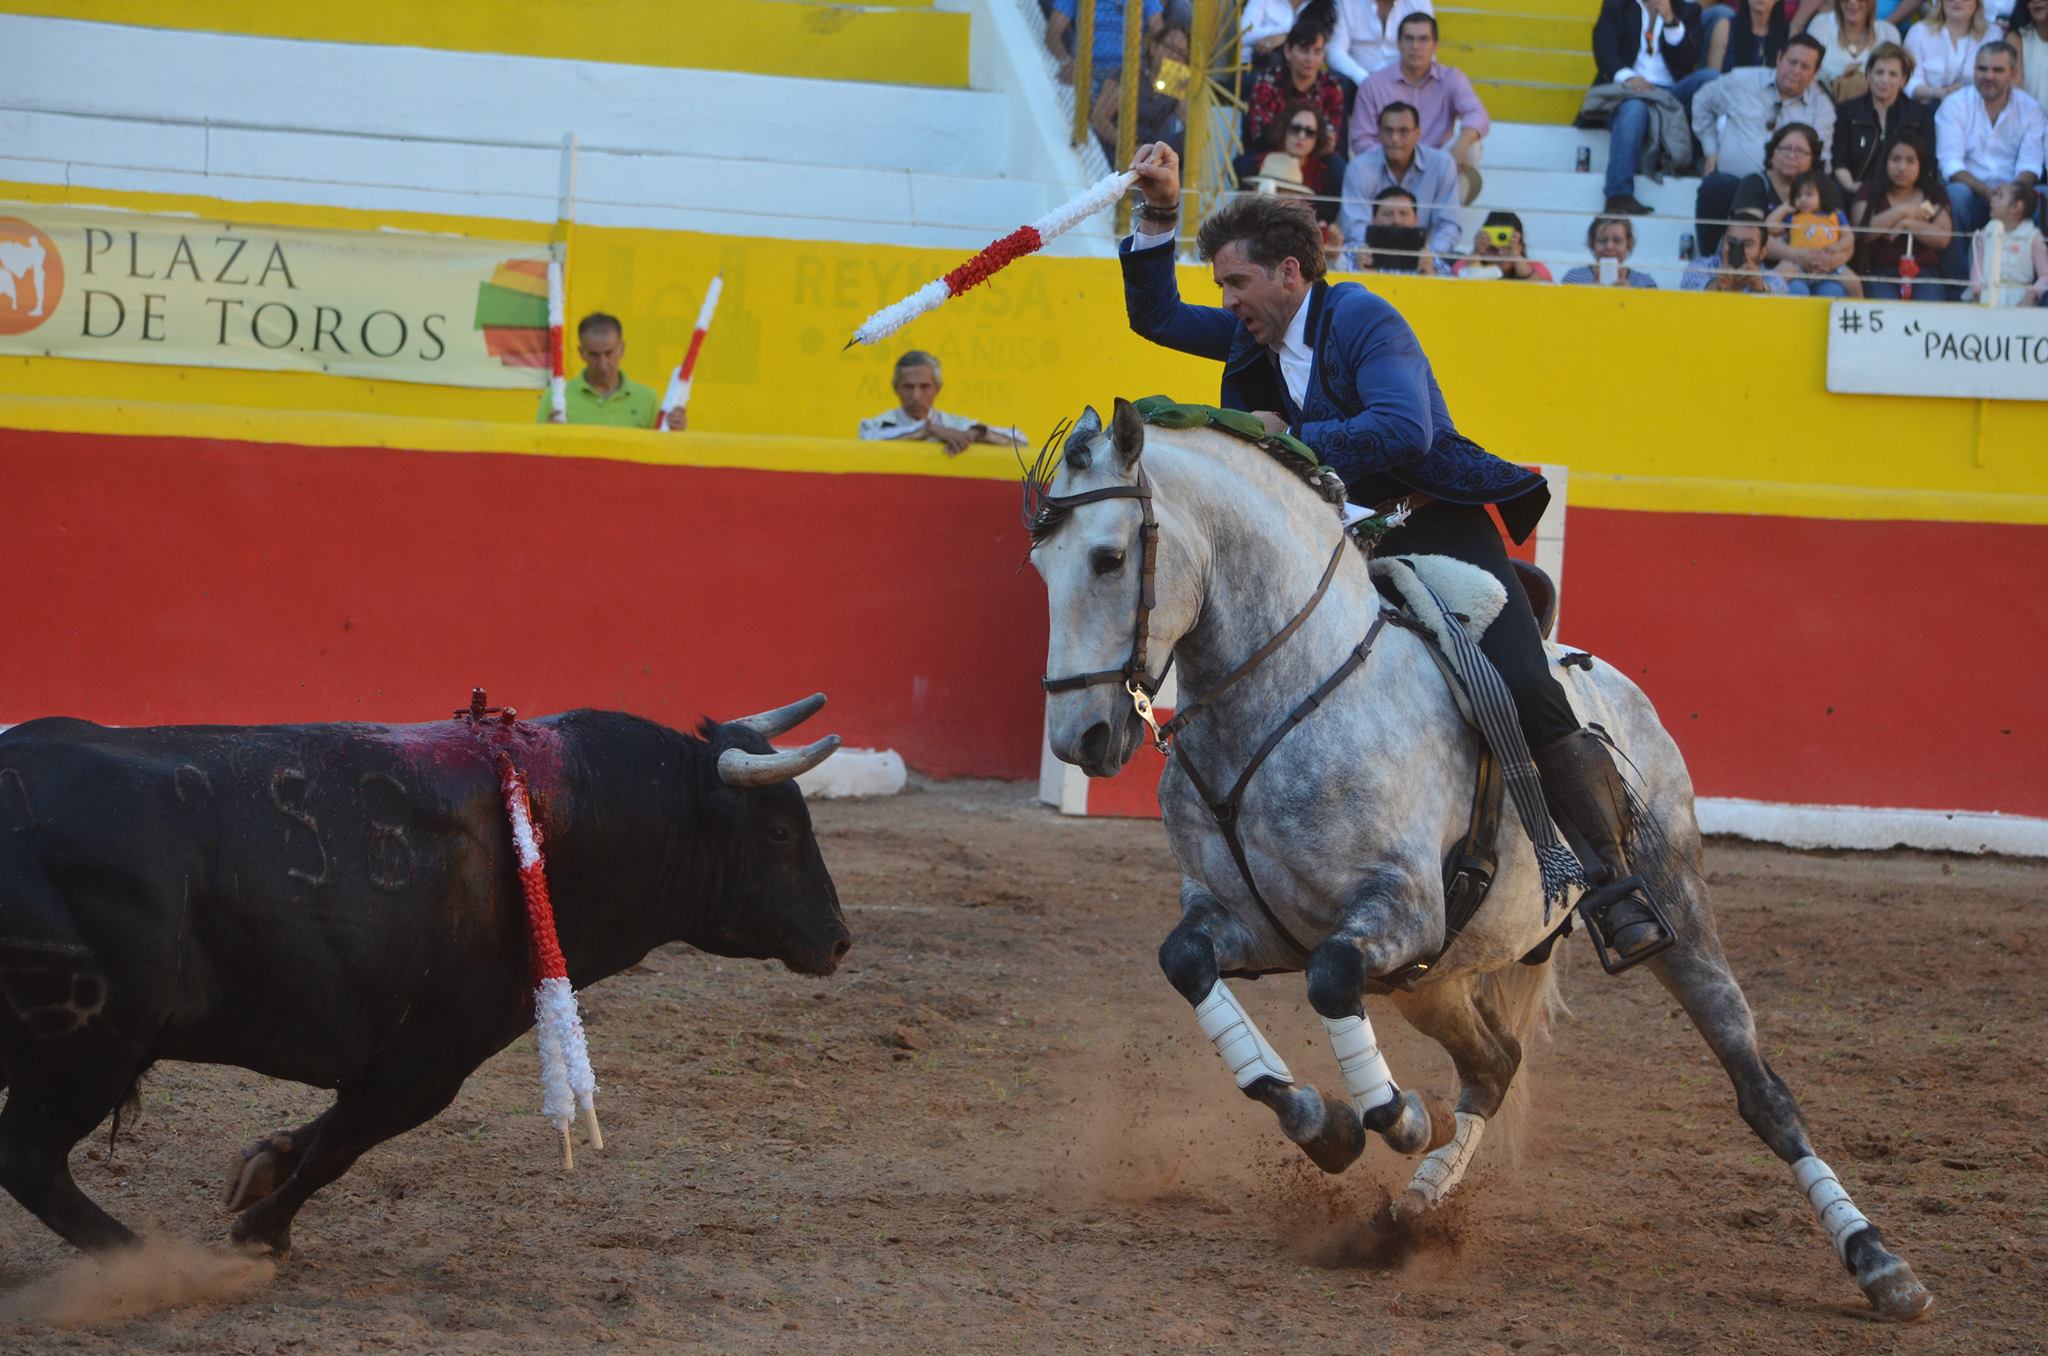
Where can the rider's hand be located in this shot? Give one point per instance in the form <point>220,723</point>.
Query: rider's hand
<point>1158,171</point>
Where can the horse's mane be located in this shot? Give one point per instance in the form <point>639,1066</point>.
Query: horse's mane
<point>1042,516</point>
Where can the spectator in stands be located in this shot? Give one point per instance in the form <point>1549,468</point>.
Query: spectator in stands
<point>1499,251</point>
<point>1288,163</point>
<point>918,382</point>
<point>1807,237</point>
<point>1367,36</point>
<point>1869,125</point>
<point>1646,54</point>
<point>1734,266</point>
<point>1985,136</point>
<point>1903,224</point>
<point>1792,151</point>
<point>1751,36</point>
<point>1266,26</point>
<point>1394,241</point>
<point>1162,115</point>
<point>1754,102</point>
<point>1300,75</point>
<point>1943,46</point>
<point>2009,261</point>
<point>1108,58</point>
<point>1429,175</point>
<point>1851,33</point>
<point>601,393</point>
<point>1612,240</point>
<point>2029,37</point>
<point>1453,119</point>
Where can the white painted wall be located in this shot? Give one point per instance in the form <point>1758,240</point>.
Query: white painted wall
<point>410,129</point>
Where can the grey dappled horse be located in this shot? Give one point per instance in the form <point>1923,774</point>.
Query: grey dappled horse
<point>1345,826</point>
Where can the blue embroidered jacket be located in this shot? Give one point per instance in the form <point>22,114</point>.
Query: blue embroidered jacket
<point>1373,409</point>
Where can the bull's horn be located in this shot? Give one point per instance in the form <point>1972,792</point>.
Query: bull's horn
<point>737,767</point>
<point>783,718</point>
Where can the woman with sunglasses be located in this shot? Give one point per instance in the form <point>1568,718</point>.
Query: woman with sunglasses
<point>1290,160</point>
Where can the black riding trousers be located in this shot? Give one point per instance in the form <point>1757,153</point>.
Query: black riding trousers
<point>1466,532</point>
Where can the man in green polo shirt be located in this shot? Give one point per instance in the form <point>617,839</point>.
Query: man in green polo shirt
<point>602,394</point>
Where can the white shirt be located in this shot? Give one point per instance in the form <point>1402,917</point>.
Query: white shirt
<point>1965,137</point>
<point>1296,357</point>
<point>1826,29</point>
<point>1649,62</point>
<point>1361,43</point>
<point>1939,59</point>
<point>896,425</point>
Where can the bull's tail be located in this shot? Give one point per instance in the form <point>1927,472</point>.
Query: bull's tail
<point>1528,1000</point>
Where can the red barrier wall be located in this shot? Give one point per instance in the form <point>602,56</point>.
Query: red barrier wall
<point>162,580</point>
<point>1816,661</point>
<point>1798,660</point>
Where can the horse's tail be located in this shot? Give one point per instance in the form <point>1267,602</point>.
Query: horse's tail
<point>1528,1001</point>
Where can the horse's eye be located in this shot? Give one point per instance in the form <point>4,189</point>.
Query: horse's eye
<point>1105,560</point>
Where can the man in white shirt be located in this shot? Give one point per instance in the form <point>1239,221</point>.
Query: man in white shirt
<point>1987,135</point>
<point>1734,117</point>
<point>917,383</point>
<point>1367,36</point>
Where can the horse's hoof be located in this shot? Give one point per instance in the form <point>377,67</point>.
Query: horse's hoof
<point>1413,1203</point>
<point>1895,1292</point>
<point>1443,1121</point>
<point>1408,1131</point>
<point>257,1171</point>
<point>1338,1141</point>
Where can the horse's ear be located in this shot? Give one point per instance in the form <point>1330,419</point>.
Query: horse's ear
<point>1127,433</point>
<point>1079,452</point>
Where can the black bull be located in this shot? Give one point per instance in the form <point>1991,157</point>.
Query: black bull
<point>339,905</point>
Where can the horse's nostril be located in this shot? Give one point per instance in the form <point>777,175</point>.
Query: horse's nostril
<point>1095,743</point>
<point>840,948</point>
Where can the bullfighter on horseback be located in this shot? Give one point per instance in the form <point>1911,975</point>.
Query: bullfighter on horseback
<point>1338,368</point>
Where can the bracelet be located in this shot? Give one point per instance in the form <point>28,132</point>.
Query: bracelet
<point>1151,213</point>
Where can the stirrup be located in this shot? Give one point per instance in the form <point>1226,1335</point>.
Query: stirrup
<point>1592,907</point>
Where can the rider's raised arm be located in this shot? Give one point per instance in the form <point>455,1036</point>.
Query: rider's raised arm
<point>1152,301</point>
<point>1394,425</point>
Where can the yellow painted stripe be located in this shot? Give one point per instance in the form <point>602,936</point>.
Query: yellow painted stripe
<point>1647,494</point>
<point>887,44</point>
<point>751,451</point>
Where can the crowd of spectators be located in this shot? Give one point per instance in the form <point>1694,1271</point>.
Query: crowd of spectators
<point>1860,147</point>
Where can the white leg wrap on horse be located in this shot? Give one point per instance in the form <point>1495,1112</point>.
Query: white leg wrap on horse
<point>1444,1168</point>
<point>1838,1214</point>
<point>1366,1075</point>
<point>1225,1022</point>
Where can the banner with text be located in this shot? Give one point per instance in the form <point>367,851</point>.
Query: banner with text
<point>1918,349</point>
<point>140,288</point>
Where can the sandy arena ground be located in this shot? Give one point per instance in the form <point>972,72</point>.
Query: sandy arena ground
<point>999,1130</point>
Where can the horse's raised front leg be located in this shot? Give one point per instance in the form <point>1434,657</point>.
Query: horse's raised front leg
<point>1194,955</point>
<point>1381,931</point>
<point>1697,975</point>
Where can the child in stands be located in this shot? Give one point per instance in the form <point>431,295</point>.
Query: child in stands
<point>1812,219</point>
<point>2009,259</point>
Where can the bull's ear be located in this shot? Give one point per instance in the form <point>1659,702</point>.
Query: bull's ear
<point>1079,453</point>
<point>1127,433</point>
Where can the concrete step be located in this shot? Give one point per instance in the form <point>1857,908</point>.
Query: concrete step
<point>1536,65</point>
<point>1480,28</point>
<point>1540,146</point>
<point>1523,101</point>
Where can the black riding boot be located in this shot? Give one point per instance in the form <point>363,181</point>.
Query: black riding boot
<point>1590,801</point>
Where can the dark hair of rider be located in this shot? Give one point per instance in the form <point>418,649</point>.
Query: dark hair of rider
<point>1271,229</point>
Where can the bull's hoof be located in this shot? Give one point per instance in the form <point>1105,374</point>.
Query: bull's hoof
<point>1338,1141</point>
<point>256,1172</point>
<point>255,1239</point>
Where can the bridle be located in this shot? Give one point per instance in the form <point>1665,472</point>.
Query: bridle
<point>1136,673</point>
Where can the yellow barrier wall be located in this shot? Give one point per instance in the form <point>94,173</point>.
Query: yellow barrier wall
<point>1655,400</point>
<point>906,44</point>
